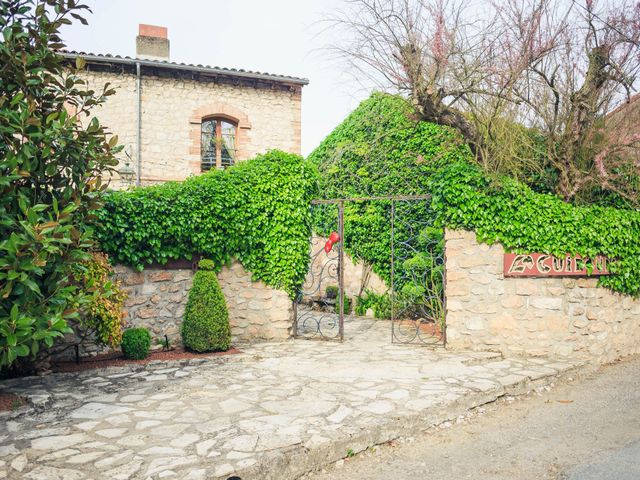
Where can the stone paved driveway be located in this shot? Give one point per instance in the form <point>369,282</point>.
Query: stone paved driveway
<point>275,411</point>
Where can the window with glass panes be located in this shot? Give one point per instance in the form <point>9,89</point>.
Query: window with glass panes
<point>218,149</point>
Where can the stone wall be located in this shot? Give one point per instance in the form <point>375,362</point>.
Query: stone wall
<point>269,118</point>
<point>562,317</point>
<point>158,297</point>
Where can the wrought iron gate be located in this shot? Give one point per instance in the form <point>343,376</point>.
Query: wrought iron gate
<point>417,274</point>
<point>416,277</point>
<point>318,314</point>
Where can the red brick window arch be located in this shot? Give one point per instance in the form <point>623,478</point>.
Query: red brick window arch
<point>218,143</point>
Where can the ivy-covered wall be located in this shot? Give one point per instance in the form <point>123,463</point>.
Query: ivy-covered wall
<point>523,221</point>
<point>380,150</point>
<point>256,212</point>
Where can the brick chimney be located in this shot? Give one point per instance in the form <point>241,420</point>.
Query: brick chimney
<point>152,43</point>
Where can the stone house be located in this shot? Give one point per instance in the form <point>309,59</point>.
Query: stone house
<point>176,120</point>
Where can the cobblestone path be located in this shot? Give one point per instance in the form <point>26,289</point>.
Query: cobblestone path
<point>274,411</point>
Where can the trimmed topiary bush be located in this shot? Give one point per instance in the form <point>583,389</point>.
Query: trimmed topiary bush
<point>135,343</point>
<point>206,320</point>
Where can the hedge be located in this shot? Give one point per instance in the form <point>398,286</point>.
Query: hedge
<point>256,212</point>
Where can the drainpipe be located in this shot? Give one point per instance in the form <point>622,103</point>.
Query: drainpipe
<point>138,124</point>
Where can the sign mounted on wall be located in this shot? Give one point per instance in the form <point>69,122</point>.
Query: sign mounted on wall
<point>544,265</point>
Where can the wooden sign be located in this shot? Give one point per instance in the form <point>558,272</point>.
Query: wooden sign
<point>543,265</point>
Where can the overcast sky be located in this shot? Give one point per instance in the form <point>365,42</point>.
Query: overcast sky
<point>275,36</point>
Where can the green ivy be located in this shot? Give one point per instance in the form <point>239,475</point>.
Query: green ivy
<point>256,212</point>
<point>525,221</point>
<point>380,150</point>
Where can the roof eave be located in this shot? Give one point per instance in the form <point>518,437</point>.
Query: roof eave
<point>190,68</point>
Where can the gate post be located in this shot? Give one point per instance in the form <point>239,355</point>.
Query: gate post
<point>341,268</point>
<point>393,300</point>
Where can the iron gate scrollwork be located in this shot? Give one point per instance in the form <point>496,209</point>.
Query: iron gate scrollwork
<point>417,274</point>
<point>319,309</point>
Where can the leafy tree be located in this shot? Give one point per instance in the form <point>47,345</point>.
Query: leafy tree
<point>51,167</point>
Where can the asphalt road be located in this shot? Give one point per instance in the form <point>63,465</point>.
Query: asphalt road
<point>584,429</point>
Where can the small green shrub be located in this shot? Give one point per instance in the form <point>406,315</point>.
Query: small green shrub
<point>206,320</point>
<point>379,303</point>
<point>102,314</point>
<point>332,291</point>
<point>347,306</point>
<point>135,343</point>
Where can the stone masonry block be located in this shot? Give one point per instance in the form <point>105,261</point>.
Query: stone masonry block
<point>455,305</point>
<point>593,314</point>
<point>548,303</point>
<point>587,282</point>
<point>457,289</point>
<point>145,313</point>
<point>527,286</point>
<point>133,278</point>
<point>457,274</point>
<point>475,323</point>
<point>511,302</point>
<point>457,234</point>
<point>470,261</point>
<point>483,307</point>
<point>501,322</point>
<point>160,276</point>
<point>556,290</point>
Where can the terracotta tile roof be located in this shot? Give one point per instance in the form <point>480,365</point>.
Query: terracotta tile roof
<point>623,120</point>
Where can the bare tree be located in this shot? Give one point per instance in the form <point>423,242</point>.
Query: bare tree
<point>497,71</point>
<point>571,91</point>
<point>456,70</point>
